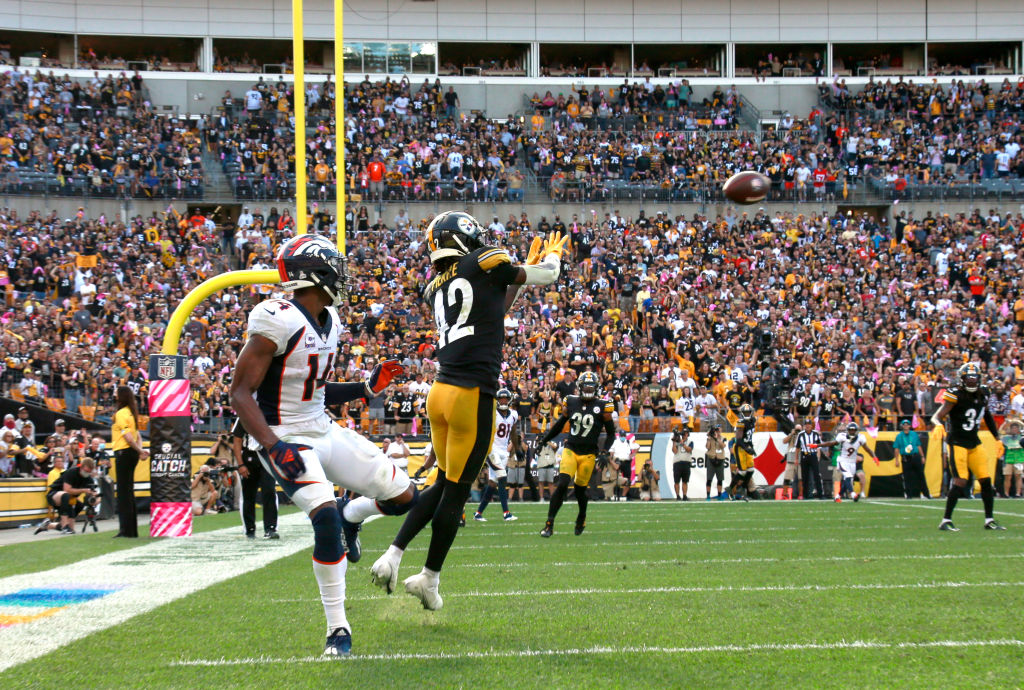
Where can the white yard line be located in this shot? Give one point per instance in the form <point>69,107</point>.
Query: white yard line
<point>143,578</point>
<point>742,561</point>
<point>942,506</point>
<point>615,650</point>
<point>585,591</point>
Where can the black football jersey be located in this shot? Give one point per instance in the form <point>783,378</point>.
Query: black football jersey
<point>745,434</point>
<point>966,416</point>
<point>586,422</point>
<point>468,302</point>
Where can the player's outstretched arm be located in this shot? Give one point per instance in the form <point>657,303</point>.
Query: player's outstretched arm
<point>553,431</point>
<point>250,368</point>
<point>609,432</point>
<point>940,415</point>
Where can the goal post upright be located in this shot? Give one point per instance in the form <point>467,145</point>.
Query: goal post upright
<point>299,73</point>
<point>339,119</point>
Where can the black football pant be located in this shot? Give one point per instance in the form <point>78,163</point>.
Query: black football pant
<point>811,474</point>
<point>258,480</point>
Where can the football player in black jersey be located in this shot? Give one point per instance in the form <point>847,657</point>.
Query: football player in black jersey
<point>472,288</point>
<point>587,415</point>
<point>743,453</point>
<point>965,406</point>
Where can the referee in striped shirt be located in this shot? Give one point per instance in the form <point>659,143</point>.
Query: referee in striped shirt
<point>808,445</point>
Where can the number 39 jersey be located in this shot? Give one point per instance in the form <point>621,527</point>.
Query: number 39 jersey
<point>586,422</point>
<point>468,301</point>
<point>966,416</point>
<point>292,392</point>
<point>503,426</point>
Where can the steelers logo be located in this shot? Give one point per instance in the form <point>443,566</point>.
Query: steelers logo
<point>465,225</point>
<point>165,448</point>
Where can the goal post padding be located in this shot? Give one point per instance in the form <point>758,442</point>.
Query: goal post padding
<point>170,412</point>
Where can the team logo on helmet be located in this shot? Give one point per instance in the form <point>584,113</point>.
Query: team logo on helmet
<point>312,261</point>
<point>453,234</point>
<point>588,385</point>
<point>970,376</point>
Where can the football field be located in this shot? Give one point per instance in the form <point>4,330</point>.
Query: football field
<point>779,594</point>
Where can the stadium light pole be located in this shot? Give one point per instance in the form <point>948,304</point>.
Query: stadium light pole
<point>339,118</point>
<point>298,71</point>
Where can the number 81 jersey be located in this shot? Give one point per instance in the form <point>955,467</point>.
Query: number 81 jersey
<point>468,301</point>
<point>292,391</point>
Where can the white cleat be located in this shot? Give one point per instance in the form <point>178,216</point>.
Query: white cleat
<point>423,589</point>
<point>384,574</point>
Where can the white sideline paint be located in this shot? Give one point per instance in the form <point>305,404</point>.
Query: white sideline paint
<point>150,576</point>
<point>693,590</point>
<point>643,649</point>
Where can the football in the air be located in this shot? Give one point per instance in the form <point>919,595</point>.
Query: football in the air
<point>747,187</point>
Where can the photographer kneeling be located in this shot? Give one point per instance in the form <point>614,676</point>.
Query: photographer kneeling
<point>69,495</point>
<point>204,491</point>
<point>649,478</point>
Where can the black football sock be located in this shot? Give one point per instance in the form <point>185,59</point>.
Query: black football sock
<point>558,496</point>
<point>503,494</point>
<point>988,497</point>
<point>581,500</point>
<point>421,514</point>
<point>445,524</point>
<point>951,498</point>
<point>488,495</point>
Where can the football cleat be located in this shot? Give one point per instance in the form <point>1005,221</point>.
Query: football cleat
<point>948,526</point>
<point>43,525</point>
<point>421,587</point>
<point>479,518</point>
<point>339,643</point>
<point>509,517</point>
<point>271,534</point>
<point>992,524</point>
<point>856,497</point>
<point>384,574</point>
<point>839,498</point>
<point>351,533</point>
<point>548,530</point>
<point>579,528</point>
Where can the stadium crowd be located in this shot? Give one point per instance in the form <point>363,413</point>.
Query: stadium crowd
<point>844,314</point>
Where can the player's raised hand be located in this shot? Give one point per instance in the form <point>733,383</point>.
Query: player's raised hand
<point>555,244</point>
<point>382,375</point>
<point>535,255</point>
<point>285,456</point>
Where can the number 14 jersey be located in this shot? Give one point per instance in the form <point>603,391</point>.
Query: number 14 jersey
<point>468,302</point>
<point>292,391</point>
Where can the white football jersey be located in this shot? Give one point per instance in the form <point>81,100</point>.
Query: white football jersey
<point>849,449</point>
<point>503,425</point>
<point>292,391</point>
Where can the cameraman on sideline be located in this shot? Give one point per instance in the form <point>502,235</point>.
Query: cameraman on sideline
<point>649,478</point>
<point>204,492</point>
<point>254,477</point>
<point>72,491</point>
<point>682,462</point>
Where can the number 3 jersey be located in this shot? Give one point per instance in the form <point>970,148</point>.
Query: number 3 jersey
<point>292,391</point>
<point>967,414</point>
<point>468,301</point>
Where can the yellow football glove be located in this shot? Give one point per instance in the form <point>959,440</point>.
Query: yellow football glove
<point>534,257</point>
<point>555,244</point>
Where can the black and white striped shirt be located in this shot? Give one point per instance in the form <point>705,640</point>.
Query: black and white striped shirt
<point>805,439</point>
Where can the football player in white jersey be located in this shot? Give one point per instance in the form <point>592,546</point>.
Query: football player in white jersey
<point>279,391</point>
<point>505,431</point>
<point>851,465</point>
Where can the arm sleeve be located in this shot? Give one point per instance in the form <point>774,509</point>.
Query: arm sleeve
<point>338,393</point>
<point>991,423</point>
<point>497,264</point>
<point>544,273</point>
<point>553,431</point>
<point>609,434</point>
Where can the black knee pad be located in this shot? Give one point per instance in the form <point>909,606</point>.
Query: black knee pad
<point>327,546</point>
<point>389,508</point>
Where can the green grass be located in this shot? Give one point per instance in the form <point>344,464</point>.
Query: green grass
<point>640,596</point>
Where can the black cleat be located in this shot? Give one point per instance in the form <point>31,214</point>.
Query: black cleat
<point>339,643</point>
<point>43,526</point>
<point>948,526</point>
<point>548,530</point>
<point>992,524</point>
<point>579,529</point>
<point>271,534</point>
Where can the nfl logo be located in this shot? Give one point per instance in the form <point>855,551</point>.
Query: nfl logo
<point>165,368</point>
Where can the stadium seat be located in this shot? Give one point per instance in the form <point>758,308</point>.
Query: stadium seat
<point>88,412</point>
<point>56,404</point>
